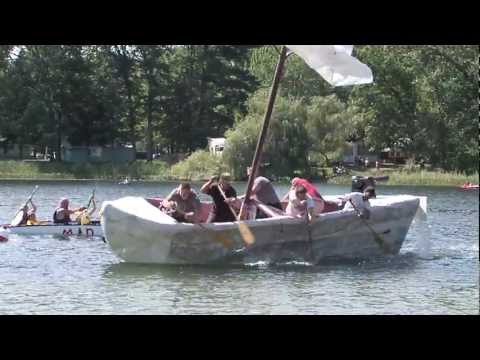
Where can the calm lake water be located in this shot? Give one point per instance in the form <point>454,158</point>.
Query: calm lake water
<point>437,271</point>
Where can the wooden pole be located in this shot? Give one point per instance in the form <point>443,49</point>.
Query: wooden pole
<point>266,123</point>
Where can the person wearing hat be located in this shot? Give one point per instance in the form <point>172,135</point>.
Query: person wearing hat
<point>221,211</point>
<point>359,201</point>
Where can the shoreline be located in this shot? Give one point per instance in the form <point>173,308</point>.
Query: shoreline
<point>161,172</point>
<point>340,182</point>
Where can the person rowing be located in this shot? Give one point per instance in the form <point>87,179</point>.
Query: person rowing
<point>311,191</point>
<point>300,204</point>
<point>264,192</point>
<point>359,201</point>
<point>321,205</point>
<point>182,204</point>
<point>220,211</point>
<point>62,213</point>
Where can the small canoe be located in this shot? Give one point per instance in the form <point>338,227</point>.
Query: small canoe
<point>138,232</point>
<point>50,229</point>
<point>469,186</point>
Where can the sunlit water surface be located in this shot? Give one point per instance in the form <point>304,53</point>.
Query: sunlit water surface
<point>437,271</point>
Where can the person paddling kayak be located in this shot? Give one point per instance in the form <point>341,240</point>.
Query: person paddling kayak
<point>62,213</point>
<point>29,217</point>
<point>84,217</point>
<point>32,215</point>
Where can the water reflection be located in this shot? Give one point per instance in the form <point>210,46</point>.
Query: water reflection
<point>389,264</point>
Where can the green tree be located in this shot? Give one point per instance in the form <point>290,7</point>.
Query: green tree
<point>328,125</point>
<point>424,100</point>
<point>210,84</point>
<point>122,63</point>
<point>286,149</point>
<point>154,71</point>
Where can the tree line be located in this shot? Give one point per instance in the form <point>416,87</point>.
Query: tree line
<point>424,100</point>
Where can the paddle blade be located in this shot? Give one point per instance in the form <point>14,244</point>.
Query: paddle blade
<point>246,233</point>
<point>18,218</point>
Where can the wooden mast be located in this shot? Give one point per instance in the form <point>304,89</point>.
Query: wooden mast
<point>266,123</point>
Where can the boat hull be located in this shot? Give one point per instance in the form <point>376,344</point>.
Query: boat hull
<point>138,233</point>
<point>57,230</point>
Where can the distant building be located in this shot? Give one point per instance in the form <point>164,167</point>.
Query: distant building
<point>13,151</point>
<point>358,153</point>
<point>394,155</point>
<point>216,145</point>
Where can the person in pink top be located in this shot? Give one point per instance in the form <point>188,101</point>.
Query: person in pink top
<point>301,204</point>
<point>321,205</point>
<point>311,190</point>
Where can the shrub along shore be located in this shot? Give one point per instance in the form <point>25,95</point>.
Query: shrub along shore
<point>194,171</point>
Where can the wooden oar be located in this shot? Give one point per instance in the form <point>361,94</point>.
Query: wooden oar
<point>246,233</point>
<point>19,215</point>
<point>268,210</point>
<point>378,238</point>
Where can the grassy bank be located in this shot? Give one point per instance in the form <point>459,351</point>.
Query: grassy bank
<point>199,167</point>
<point>420,177</point>
<point>155,170</point>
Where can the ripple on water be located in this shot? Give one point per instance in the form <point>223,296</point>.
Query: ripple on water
<point>55,276</point>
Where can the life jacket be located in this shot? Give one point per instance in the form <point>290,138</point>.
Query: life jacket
<point>56,220</point>
<point>32,222</point>
<point>82,218</point>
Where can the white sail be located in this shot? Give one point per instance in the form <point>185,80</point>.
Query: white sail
<point>334,63</point>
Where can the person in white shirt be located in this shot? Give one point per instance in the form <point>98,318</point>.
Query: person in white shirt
<point>300,204</point>
<point>359,201</point>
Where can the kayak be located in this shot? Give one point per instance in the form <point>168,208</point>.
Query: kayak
<point>468,187</point>
<point>49,229</point>
<point>137,232</point>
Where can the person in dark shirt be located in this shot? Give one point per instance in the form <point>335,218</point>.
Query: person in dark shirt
<point>221,211</point>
